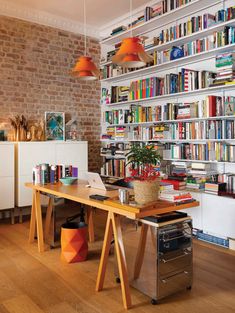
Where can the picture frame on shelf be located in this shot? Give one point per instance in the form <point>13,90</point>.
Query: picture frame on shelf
<point>55,126</point>
<point>71,129</point>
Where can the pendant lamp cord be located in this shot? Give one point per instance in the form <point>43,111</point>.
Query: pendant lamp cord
<point>85,31</point>
<point>131,17</point>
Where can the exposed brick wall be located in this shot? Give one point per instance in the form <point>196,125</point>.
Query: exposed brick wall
<point>35,64</point>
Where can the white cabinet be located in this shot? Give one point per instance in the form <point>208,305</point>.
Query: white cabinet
<point>218,215</point>
<point>28,154</point>
<point>196,213</point>
<point>7,173</point>
<point>74,154</point>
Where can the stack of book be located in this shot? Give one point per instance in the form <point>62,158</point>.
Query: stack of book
<point>179,182</point>
<point>225,64</point>
<point>115,149</point>
<point>195,183</point>
<point>214,188</point>
<point>110,133</point>
<point>118,30</point>
<point>165,186</point>
<point>175,196</point>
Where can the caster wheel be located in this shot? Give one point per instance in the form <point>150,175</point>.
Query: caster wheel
<point>118,280</point>
<point>189,287</point>
<point>153,301</point>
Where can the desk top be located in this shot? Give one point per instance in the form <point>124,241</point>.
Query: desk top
<point>80,193</point>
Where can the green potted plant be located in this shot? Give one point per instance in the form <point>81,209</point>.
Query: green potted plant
<point>143,161</point>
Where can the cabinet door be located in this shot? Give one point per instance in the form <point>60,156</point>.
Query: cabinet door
<point>7,193</point>
<point>196,213</point>
<point>33,153</point>
<point>218,215</point>
<point>74,154</point>
<point>7,161</point>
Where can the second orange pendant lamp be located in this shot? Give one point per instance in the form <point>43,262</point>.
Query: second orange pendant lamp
<point>85,68</point>
<point>131,53</point>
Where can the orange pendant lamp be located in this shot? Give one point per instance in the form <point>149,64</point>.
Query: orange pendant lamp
<point>131,53</point>
<point>85,69</point>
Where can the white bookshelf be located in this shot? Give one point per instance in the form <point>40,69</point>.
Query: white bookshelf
<point>162,20</point>
<point>204,218</point>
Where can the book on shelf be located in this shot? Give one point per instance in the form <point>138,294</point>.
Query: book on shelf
<point>209,151</point>
<point>159,8</point>
<point>185,80</point>
<point>215,129</point>
<point>114,167</point>
<point>216,40</point>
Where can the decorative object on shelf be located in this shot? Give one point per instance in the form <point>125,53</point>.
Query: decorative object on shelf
<point>143,171</point>
<point>131,53</point>
<point>71,128</point>
<point>85,69</point>
<point>20,127</point>
<point>54,126</point>
<point>2,135</point>
<point>176,53</point>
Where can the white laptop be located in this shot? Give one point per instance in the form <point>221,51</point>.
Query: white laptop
<point>95,181</point>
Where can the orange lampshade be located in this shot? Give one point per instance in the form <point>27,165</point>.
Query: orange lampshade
<point>85,69</point>
<point>131,54</point>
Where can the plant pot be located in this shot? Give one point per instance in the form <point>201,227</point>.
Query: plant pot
<point>146,191</point>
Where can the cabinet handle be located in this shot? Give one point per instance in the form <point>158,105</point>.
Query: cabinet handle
<point>177,257</point>
<point>164,281</point>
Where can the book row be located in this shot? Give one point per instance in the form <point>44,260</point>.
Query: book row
<point>211,106</point>
<point>161,7</point>
<point>216,40</point>
<point>211,151</point>
<point>45,173</point>
<point>185,80</point>
<point>195,24</point>
<point>114,167</point>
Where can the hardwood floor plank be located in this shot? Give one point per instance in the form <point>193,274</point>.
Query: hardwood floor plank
<point>21,304</point>
<point>51,286</point>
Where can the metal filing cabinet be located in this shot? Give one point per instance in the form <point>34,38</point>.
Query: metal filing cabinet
<point>159,255</point>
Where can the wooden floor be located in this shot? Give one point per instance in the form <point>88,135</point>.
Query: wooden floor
<point>32,282</point>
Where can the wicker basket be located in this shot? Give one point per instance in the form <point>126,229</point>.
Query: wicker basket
<point>146,191</point>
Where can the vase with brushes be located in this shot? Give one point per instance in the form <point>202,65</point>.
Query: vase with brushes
<point>143,161</point>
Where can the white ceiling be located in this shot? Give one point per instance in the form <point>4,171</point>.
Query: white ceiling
<point>99,12</point>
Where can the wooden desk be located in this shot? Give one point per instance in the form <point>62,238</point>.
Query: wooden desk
<point>80,193</point>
